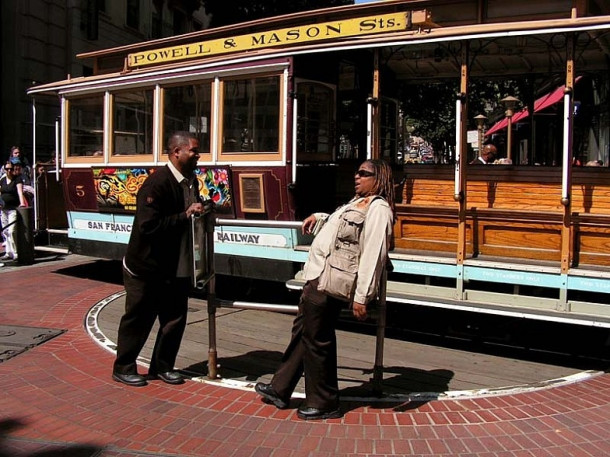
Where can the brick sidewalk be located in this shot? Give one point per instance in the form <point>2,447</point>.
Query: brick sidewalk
<point>58,398</point>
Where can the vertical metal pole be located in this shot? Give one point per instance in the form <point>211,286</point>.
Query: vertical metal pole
<point>369,130</point>
<point>509,137</point>
<point>211,296</point>
<point>376,115</point>
<point>295,126</point>
<point>567,229</point>
<point>379,344</point>
<point>157,121</point>
<point>461,188</point>
<point>34,165</point>
<point>57,150</point>
<point>215,118</point>
<point>458,183</point>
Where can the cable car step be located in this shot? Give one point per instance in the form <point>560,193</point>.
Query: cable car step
<point>56,250</point>
<point>57,231</point>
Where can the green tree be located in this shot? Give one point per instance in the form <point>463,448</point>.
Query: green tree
<point>430,110</point>
<point>235,11</point>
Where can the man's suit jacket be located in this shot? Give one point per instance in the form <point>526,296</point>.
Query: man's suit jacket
<point>159,224</point>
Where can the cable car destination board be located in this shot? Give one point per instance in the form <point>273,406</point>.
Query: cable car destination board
<point>382,23</point>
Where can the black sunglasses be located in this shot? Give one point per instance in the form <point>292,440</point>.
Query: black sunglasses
<point>365,173</point>
<point>8,169</point>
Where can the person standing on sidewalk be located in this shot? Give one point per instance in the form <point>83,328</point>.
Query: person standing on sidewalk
<point>157,265</point>
<point>12,197</point>
<point>354,242</point>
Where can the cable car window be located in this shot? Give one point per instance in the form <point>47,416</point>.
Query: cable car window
<point>188,108</point>
<point>316,106</point>
<point>132,123</point>
<point>251,115</point>
<point>86,126</point>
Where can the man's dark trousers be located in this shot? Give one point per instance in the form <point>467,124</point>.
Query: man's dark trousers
<point>147,299</point>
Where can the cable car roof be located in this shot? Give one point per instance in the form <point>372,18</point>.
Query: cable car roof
<point>422,52</point>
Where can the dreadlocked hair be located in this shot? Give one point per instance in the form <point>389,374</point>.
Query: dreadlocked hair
<point>384,183</point>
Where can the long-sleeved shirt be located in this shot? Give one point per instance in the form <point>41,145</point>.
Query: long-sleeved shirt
<point>374,244</point>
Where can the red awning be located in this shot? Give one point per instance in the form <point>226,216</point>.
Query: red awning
<point>542,103</point>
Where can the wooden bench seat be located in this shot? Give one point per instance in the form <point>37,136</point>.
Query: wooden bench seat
<point>512,212</point>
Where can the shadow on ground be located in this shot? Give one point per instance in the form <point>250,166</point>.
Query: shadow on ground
<point>251,366</point>
<point>110,271</point>
<point>399,382</point>
<point>10,447</point>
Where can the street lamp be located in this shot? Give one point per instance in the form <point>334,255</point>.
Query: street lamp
<point>509,105</point>
<point>480,120</point>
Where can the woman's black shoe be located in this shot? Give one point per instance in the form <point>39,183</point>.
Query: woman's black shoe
<point>270,395</point>
<point>307,413</point>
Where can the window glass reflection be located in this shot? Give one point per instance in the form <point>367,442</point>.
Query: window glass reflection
<point>251,115</point>
<point>188,108</point>
<point>133,123</point>
<point>86,129</point>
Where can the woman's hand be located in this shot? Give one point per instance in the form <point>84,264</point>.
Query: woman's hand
<point>308,225</point>
<point>359,311</point>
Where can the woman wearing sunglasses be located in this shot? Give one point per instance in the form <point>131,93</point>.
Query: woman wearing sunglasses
<point>345,263</point>
<point>11,188</point>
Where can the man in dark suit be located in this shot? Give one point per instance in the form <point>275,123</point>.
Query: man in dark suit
<point>157,265</point>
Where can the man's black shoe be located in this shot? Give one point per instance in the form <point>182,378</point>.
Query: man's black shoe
<point>134,380</point>
<point>307,413</point>
<point>269,395</point>
<point>169,377</point>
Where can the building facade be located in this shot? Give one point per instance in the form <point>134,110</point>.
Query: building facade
<point>40,40</point>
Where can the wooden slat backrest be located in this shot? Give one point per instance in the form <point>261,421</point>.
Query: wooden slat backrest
<point>536,189</point>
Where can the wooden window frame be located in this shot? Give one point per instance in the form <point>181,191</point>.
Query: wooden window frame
<point>127,158</point>
<point>263,156</point>
<point>67,158</point>
<point>205,157</point>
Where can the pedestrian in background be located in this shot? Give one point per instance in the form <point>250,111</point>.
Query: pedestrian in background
<point>26,170</point>
<point>345,264</point>
<point>158,264</point>
<point>12,197</point>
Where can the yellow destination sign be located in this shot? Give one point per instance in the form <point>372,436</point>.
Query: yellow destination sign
<point>382,23</point>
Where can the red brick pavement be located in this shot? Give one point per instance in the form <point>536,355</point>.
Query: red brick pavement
<point>59,396</point>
